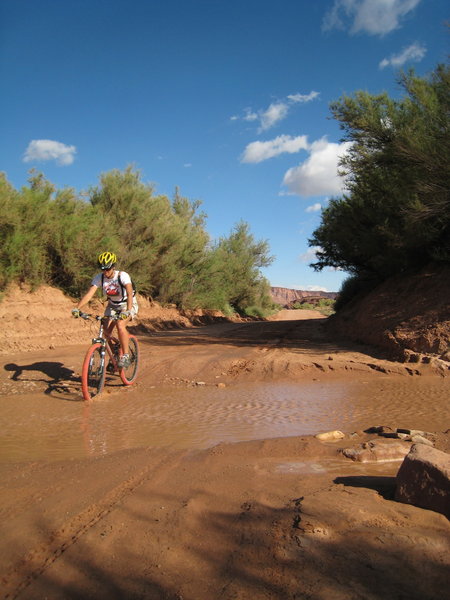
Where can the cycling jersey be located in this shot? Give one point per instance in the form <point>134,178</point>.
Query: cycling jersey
<point>113,287</point>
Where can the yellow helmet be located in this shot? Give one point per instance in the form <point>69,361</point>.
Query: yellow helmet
<point>107,260</point>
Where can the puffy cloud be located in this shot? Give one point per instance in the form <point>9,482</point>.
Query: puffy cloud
<point>256,152</point>
<point>313,208</point>
<point>415,52</point>
<point>43,150</point>
<point>376,17</point>
<point>318,174</point>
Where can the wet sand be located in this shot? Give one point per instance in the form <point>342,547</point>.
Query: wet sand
<point>181,489</point>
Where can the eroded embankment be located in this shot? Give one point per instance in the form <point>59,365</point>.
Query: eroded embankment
<point>408,316</point>
<point>41,320</point>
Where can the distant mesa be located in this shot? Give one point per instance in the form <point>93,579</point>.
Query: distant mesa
<point>287,298</point>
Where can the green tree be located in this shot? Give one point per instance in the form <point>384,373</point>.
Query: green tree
<point>396,212</point>
<point>54,236</point>
<point>238,259</point>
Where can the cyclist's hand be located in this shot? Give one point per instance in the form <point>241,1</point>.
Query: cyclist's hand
<point>125,314</point>
<point>76,312</point>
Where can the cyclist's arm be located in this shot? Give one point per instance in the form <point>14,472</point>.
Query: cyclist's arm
<point>87,297</point>
<point>129,288</point>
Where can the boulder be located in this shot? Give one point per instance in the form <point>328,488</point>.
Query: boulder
<point>424,479</point>
<point>377,451</point>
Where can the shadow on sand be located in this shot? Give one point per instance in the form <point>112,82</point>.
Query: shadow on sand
<point>57,377</point>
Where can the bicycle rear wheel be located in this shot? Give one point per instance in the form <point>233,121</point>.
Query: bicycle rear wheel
<point>93,372</point>
<point>128,374</point>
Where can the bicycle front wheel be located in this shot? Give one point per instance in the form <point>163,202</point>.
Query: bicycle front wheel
<point>129,374</point>
<point>93,372</point>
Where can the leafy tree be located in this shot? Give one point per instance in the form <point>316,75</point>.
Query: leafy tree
<point>54,236</point>
<point>239,258</point>
<point>396,212</point>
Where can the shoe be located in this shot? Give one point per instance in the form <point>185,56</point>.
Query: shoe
<point>124,361</point>
<point>110,368</point>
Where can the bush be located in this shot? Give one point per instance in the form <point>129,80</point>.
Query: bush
<point>356,285</point>
<point>54,237</point>
<point>395,215</point>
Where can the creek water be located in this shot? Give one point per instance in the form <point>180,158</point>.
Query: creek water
<point>43,427</point>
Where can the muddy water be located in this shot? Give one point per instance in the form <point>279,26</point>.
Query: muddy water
<point>38,427</point>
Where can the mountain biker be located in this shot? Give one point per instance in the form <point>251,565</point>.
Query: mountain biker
<point>117,286</point>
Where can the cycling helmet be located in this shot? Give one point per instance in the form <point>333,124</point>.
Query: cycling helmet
<point>107,260</point>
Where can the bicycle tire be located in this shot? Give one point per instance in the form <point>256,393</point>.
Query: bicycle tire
<point>128,375</point>
<point>93,372</point>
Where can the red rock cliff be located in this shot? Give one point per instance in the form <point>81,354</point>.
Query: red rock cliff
<point>286,297</point>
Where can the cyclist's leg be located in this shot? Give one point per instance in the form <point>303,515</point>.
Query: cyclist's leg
<point>108,323</point>
<point>124,336</point>
<point>122,330</point>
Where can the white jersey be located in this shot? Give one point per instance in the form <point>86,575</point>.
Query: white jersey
<point>113,287</point>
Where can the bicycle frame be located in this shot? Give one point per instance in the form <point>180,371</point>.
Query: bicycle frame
<point>113,352</point>
<point>94,366</point>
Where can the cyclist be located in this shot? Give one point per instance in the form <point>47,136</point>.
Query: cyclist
<point>117,286</point>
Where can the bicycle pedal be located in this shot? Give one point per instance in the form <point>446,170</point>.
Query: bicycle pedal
<point>110,368</point>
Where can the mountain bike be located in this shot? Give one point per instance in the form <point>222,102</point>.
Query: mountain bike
<point>94,369</point>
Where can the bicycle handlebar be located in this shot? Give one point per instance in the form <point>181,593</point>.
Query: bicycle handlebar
<point>87,316</point>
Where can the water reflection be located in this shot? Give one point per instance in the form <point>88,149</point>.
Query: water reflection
<point>201,417</point>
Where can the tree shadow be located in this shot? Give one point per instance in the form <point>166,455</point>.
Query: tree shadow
<point>296,336</point>
<point>256,552</point>
<point>182,546</point>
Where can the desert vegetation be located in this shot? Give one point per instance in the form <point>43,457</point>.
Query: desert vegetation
<point>323,305</point>
<point>395,215</point>
<point>54,236</point>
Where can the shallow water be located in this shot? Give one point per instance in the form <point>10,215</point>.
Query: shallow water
<point>44,427</point>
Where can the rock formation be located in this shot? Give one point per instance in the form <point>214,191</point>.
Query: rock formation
<point>286,297</point>
<point>424,479</point>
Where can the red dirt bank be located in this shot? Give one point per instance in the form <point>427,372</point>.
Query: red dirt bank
<point>405,316</point>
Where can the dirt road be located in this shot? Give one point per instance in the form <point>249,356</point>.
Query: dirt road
<point>284,518</point>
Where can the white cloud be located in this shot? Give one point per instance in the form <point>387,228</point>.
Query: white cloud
<point>187,165</point>
<point>376,17</point>
<point>303,97</point>
<point>318,174</point>
<point>316,288</point>
<point>256,152</point>
<point>250,115</point>
<point>415,52</point>
<point>313,208</point>
<point>276,112</point>
<point>43,150</point>
<point>310,255</point>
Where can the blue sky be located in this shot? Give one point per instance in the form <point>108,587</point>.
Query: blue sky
<point>227,100</point>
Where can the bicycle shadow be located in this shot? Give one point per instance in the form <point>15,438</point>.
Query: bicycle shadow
<point>59,379</point>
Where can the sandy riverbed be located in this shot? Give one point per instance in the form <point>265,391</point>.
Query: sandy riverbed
<point>281,517</point>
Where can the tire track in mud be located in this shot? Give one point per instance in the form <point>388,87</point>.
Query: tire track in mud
<point>38,560</point>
